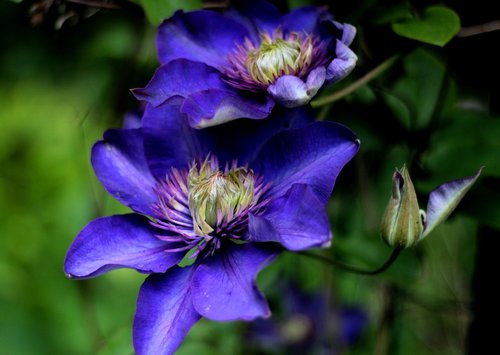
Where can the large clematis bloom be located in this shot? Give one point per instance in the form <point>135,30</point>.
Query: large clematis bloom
<point>222,202</point>
<point>221,67</point>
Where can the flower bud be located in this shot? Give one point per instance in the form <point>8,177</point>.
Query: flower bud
<point>402,223</point>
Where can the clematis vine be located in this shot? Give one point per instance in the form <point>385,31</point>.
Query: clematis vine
<point>220,67</point>
<point>211,208</point>
<point>404,224</point>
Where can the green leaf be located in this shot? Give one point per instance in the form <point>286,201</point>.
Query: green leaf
<point>158,10</point>
<point>437,25</point>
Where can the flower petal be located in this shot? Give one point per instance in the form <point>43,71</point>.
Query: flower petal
<point>165,313</point>
<point>224,287</point>
<point>290,91</point>
<point>342,65</point>
<point>177,80</point>
<point>201,36</point>
<point>171,142</point>
<point>212,107</point>
<point>305,19</point>
<point>114,242</point>
<point>119,163</point>
<point>444,199</point>
<point>313,156</point>
<point>257,16</point>
<point>297,221</point>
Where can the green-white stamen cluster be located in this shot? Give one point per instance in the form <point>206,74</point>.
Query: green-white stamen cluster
<point>274,58</point>
<point>216,197</point>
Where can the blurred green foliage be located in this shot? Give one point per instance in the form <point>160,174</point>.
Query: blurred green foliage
<point>60,89</point>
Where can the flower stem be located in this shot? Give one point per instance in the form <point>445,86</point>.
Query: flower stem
<point>357,84</point>
<point>354,269</point>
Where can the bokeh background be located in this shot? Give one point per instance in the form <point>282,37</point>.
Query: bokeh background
<point>65,73</point>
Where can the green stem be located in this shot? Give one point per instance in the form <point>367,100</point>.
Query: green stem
<point>357,84</point>
<point>355,269</point>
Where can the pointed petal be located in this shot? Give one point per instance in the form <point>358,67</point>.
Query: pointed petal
<point>213,107</point>
<point>201,36</point>
<point>114,242</point>
<point>178,79</point>
<point>297,221</point>
<point>165,313</point>
<point>224,287</point>
<point>120,164</point>
<point>444,199</point>
<point>313,155</point>
<point>290,91</point>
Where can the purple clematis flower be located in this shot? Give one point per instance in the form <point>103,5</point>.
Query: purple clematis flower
<point>220,67</point>
<point>222,202</point>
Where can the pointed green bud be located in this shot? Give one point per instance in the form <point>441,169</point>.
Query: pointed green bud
<point>215,196</point>
<point>402,222</point>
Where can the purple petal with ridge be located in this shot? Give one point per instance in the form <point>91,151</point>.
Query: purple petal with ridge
<point>177,80</point>
<point>224,286</point>
<point>313,156</point>
<point>201,36</point>
<point>120,164</point>
<point>297,221</point>
<point>165,313</point>
<point>121,241</point>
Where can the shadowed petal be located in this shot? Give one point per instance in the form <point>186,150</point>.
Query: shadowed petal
<point>444,199</point>
<point>165,313</point>
<point>119,163</point>
<point>224,287</point>
<point>257,16</point>
<point>305,19</point>
<point>118,241</point>
<point>291,91</point>
<point>171,142</point>
<point>297,221</point>
<point>201,36</point>
<point>342,65</point>
<point>213,107</point>
<point>178,79</point>
<point>313,156</point>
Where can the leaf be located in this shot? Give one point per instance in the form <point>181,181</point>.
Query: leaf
<point>158,10</point>
<point>414,97</point>
<point>437,25</point>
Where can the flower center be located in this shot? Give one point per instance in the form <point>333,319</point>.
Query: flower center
<point>254,67</point>
<point>273,59</point>
<point>215,197</point>
<point>200,207</point>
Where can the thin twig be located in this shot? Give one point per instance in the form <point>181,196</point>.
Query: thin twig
<point>479,29</point>
<point>357,84</point>
<point>356,269</point>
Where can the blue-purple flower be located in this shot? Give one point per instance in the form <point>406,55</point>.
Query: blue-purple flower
<point>220,67</point>
<point>222,202</point>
